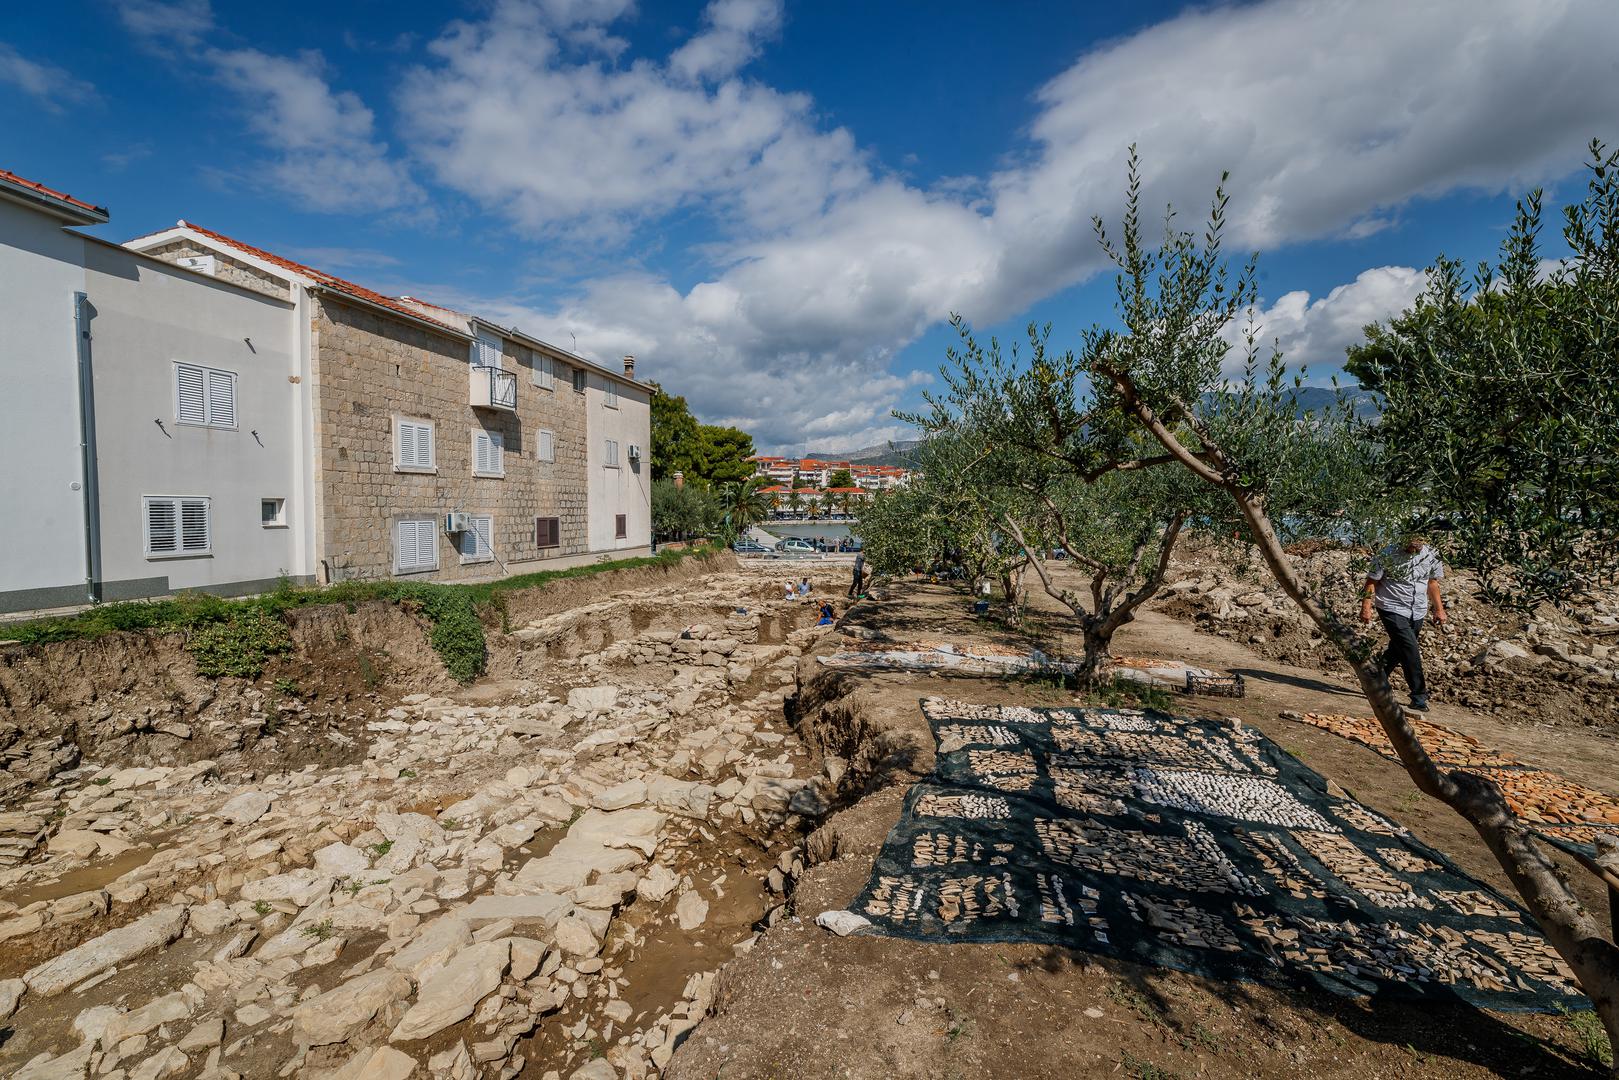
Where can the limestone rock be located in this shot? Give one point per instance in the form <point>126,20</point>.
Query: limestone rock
<point>451,994</point>
<point>597,1069</point>
<point>593,698</point>
<point>574,936</point>
<point>432,948</point>
<point>629,793</point>
<point>542,909</point>
<point>163,1010</point>
<point>342,861</point>
<point>340,1013</point>
<point>11,992</point>
<point>151,931</point>
<point>246,808</point>
<point>691,910</point>
<point>659,882</point>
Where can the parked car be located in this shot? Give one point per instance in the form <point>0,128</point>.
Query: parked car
<point>748,547</point>
<point>796,546</point>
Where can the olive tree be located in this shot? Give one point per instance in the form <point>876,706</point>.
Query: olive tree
<point>1166,369</point>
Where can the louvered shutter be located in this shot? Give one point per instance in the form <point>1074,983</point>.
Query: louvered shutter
<point>547,445</point>
<point>497,454</point>
<point>424,446</point>
<point>426,544</point>
<point>542,370</point>
<point>480,452</point>
<point>190,394</point>
<point>486,352</point>
<point>162,527</point>
<point>221,399</point>
<point>194,530</point>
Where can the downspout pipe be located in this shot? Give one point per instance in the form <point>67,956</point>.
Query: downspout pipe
<point>87,451</point>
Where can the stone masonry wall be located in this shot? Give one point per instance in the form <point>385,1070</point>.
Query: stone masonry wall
<point>225,268</point>
<point>368,369</point>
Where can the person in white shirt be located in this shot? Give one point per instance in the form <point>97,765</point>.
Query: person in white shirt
<point>1402,588</point>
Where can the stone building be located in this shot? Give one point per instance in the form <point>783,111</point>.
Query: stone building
<point>441,445</point>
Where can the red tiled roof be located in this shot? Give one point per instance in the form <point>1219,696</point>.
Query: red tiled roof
<point>330,281</point>
<point>59,196</point>
<point>847,491</point>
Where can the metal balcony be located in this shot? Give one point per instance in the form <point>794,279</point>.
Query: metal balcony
<point>492,388</point>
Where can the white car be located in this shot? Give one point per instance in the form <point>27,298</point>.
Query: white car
<point>795,546</point>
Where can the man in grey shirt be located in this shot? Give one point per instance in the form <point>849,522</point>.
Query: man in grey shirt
<point>1403,586</point>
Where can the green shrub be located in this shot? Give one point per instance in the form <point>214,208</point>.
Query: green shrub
<point>240,645</point>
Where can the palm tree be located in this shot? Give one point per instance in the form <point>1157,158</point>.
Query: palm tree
<point>745,504</point>
<point>795,501</point>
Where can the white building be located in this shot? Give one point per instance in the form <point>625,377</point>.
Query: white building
<point>147,414</point>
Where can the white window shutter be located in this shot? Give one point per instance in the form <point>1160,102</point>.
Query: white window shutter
<point>547,450</point>
<point>190,394</point>
<point>162,527</point>
<point>424,446</point>
<point>194,526</point>
<point>221,399</point>
<point>486,352</point>
<point>480,453</point>
<point>497,454</point>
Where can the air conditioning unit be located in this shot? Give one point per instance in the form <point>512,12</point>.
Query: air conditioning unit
<point>457,522</point>
<point>635,452</point>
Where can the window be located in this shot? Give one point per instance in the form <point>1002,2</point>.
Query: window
<point>547,532</point>
<point>273,513</point>
<point>612,394</point>
<point>176,526</point>
<point>610,454</point>
<point>415,546</point>
<point>545,445</point>
<point>543,375</point>
<point>579,380</point>
<point>476,544</point>
<point>621,526</point>
<point>488,454</point>
<point>204,396</point>
<point>486,351</point>
<point>413,446</point>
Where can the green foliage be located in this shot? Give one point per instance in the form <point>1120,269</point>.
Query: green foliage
<point>287,687</point>
<point>261,908</point>
<point>1593,1040</point>
<point>675,447</point>
<point>840,478</point>
<point>708,454</point>
<point>240,645</point>
<point>682,512</point>
<point>319,931</point>
<point>743,505</point>
<point>1501,402</point>
<point>725,454</point>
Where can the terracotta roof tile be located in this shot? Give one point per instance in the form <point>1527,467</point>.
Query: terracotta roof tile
<point>59,196</point>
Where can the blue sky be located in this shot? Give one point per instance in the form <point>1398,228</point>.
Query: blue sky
<point>776,206</point>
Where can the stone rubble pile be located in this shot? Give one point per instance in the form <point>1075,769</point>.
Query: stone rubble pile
<point>486,869</point>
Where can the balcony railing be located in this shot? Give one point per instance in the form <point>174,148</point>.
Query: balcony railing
<point>492,388</point>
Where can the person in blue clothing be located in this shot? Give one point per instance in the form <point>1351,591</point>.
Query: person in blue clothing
<point>826,613</point>
<point>803,588</point>
<point>1402,587</point>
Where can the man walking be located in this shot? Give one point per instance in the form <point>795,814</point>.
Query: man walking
<point>857,585</point>
<point>1403,585</point>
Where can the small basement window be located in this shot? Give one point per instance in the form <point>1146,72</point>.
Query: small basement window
<point>273,513</point>
<point>621,526</point>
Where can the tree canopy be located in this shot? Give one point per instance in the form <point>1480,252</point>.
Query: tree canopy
<point>1500,393</point>
<point>708,454</point>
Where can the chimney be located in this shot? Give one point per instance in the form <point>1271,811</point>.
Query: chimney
<point>629,367</point>
<point>680,480</point>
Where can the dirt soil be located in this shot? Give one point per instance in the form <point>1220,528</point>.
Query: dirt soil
<point>805,1003</point>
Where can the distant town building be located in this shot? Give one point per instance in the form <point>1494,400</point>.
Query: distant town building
<point>817,473</point>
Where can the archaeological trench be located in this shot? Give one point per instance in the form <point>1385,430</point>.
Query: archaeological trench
<point>603,859</point>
